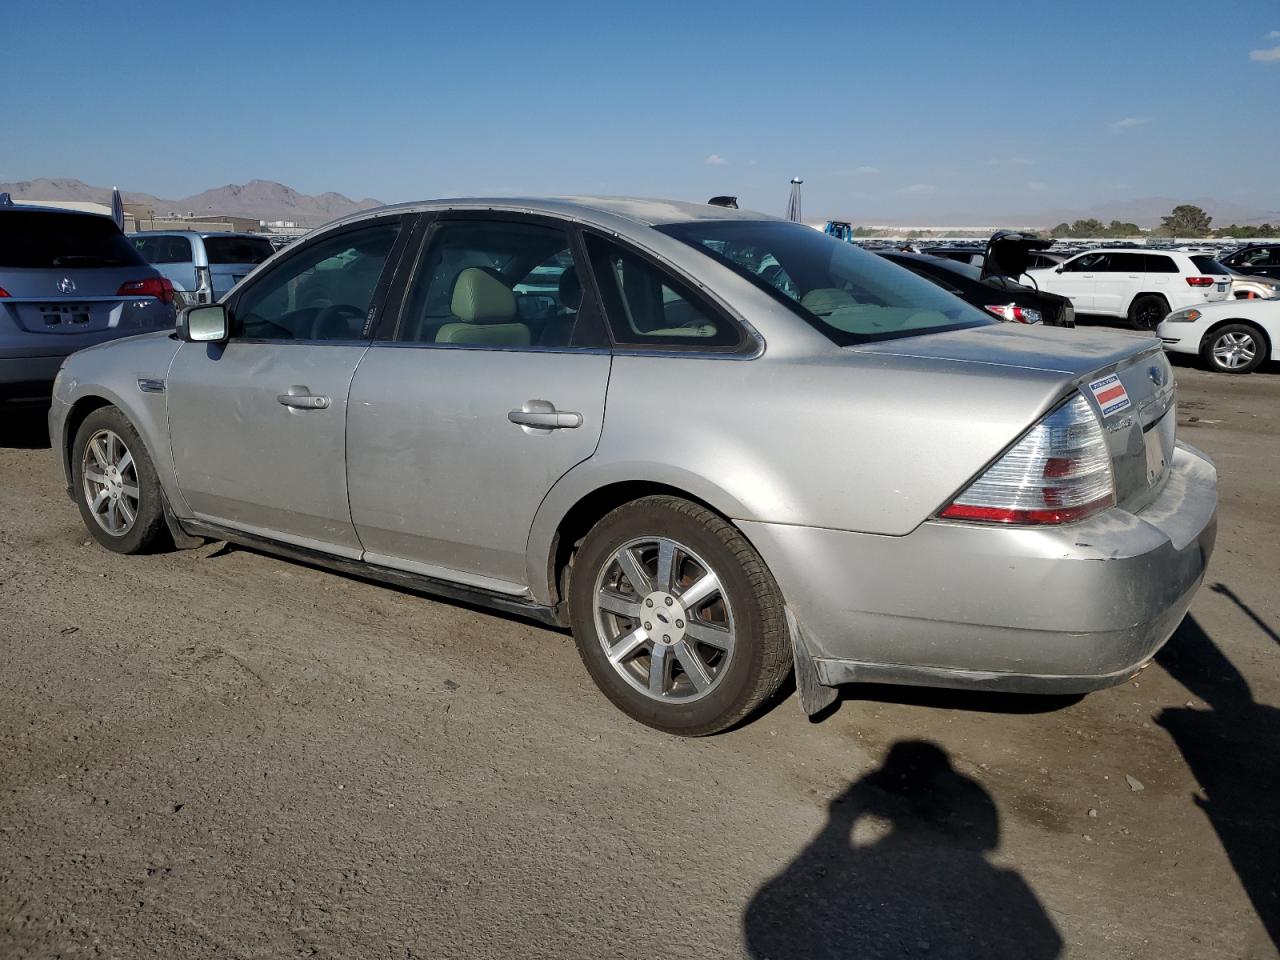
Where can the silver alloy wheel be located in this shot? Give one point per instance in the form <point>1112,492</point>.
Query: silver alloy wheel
<point>664,619</point>
<point>110,480</point>
<point>1234,350</point>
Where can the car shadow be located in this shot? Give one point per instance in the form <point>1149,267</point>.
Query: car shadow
<point>901,868</point>
<point>945,698</point>
<point>25,428</point>
<point>1231,748</point>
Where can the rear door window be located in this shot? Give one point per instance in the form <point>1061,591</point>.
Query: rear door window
<point>1158,263</point>
<point>63,241</point>
<point>1125,263</point>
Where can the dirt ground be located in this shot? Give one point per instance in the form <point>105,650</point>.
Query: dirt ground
<point>215,753</point>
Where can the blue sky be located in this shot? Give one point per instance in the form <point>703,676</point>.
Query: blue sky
<point>908,109</point>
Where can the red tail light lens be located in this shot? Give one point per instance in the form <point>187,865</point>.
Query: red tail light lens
<point>3,292</point>
<point>1201,281</point>
<point>157,287</point>
<point>1059,472</point>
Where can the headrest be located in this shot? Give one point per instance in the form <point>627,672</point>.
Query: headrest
<point>826,300</point>
<point>479,297</point>
<point>570,289</point>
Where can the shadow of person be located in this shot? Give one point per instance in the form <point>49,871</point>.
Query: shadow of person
<point>1231,749</point>
<point>901,869</point>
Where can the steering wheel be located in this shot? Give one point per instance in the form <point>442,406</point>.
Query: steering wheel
<point>331,314</point>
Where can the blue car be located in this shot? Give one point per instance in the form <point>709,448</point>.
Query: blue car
<point>68,280</point>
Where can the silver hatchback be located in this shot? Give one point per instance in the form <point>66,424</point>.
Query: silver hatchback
<point>717,446</point>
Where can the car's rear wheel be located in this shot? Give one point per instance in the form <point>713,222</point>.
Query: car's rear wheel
<point>1146,312</point>
<point>115,483</point>
<point>1235,348</point>
<point>676,617</point>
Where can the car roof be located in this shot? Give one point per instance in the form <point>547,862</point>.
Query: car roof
<point>602,211</point>
<point>197,233</point>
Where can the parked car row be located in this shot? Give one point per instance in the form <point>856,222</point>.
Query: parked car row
<point>202,266</point>
<point>602,414</point>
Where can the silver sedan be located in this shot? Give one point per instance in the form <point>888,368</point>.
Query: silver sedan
<point>717,446</point>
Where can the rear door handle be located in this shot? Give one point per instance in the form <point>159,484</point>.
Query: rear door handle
<point>543,415</point>
<point>301,398</point>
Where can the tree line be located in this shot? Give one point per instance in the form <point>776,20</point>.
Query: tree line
<point>1185,220</point>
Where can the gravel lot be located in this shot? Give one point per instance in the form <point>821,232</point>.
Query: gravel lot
<point>215,753</point>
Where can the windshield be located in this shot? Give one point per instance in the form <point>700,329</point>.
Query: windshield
<point>850,295</point>
<point>237,249</point>
<point>43,241</point>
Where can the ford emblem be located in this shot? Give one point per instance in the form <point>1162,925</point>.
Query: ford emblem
<point>66,285</point>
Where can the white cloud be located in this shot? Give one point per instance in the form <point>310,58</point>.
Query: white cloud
<point>1128,123</point>
<point>715,160</point>
<point>1037,186</point>
<point>920,188</point>
<point>1270,55</point>
<point>1274,35</point>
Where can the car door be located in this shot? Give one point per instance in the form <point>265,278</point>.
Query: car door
<point>490,388</point>
<point>1258,262</point>
<point>257,425</point>
<point>1076,280</point>
<point>1118,278</point>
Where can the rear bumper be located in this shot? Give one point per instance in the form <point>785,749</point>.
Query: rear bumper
<point>1062,609</point>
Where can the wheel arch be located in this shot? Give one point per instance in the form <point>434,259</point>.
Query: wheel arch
<point>76,415</point>
<point>576,504</point>
<point>1267,342</point>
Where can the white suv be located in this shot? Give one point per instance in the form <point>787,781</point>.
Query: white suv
<point>1142,285</point>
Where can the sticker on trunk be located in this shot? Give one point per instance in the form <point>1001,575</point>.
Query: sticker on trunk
<point>1110,394</point>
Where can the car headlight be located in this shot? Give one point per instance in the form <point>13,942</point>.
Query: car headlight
<point>1183,316</point>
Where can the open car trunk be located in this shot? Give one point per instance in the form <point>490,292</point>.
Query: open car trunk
<point>1008,253</point>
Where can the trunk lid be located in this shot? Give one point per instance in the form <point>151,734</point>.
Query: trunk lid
<point>1127,380</point>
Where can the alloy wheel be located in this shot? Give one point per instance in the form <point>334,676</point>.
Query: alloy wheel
<point>1234,350</point>
<point>110,481</point>
<point>664,619</point>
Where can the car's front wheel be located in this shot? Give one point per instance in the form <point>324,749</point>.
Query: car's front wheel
<point>676,617</point>
<point>115,484</point>
<point>1235,348</point>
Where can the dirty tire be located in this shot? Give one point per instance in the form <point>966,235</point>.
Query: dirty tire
<point>1235,348</point>
<point>147,531</point>
<point>761,657</point>
<point>1146,311</point>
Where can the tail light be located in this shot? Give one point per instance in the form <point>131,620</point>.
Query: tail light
<point>158,287</point>
<point>1007,311</point>
<point>1201,281</point>
<point>3,292</point>
<point>1059,472</point>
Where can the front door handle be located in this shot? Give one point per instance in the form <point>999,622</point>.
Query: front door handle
<point>301,398</point>
<point>543,415</point>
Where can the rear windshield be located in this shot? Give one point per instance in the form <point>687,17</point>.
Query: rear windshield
<point>237,249</point>
<point>850,295</point>
<point>63,241</point>
<point>1208,265</point>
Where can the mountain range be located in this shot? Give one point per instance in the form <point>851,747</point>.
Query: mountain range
<point>263,199</point>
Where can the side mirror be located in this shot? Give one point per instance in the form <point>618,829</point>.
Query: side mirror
<point>208,324</point>
<point>1059,270</point>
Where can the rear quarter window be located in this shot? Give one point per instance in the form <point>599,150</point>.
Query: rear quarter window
<point>1157,263</point>
<point>237,249</point>
<point>1208,265</point>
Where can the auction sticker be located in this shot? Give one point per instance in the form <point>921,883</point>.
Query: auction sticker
<point>1110,394</point>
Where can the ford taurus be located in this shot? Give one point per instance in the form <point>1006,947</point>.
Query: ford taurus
<point>716,445</point>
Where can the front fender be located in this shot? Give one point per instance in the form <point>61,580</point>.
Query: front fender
<point>112,372</point>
